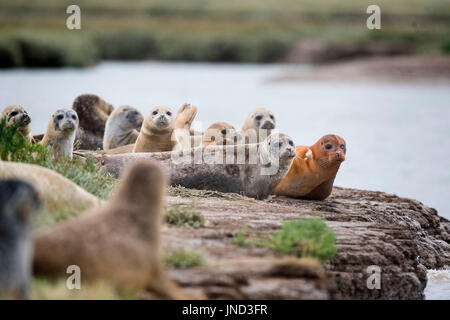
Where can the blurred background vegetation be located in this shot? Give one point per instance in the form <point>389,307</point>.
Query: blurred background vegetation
<point>34,33</point>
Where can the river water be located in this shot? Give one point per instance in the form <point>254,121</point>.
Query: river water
<point>397,134</point>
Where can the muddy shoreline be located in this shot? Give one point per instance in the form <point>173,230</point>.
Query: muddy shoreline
<point>402,236</point>
<point>422,69</point>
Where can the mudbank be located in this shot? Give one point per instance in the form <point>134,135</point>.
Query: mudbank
<point>402,237</point>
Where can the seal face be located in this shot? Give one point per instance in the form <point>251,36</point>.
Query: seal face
<point>258,125</point>
<point>122,127</point>
<point>314,169</point>
<point>220,133</point>
<point>19,203</point>
<point>156,132</point>
<point>65,120</point>
<point>17,114</point>
<point>160,119</point>
<point>278,147</point>
<point>60,134</point>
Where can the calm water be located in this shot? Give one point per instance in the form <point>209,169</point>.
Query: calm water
<point>398,135</point>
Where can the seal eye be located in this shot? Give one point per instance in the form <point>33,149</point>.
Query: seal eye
<point>343,146</point>
<point>13,114</point>
<point>74,117</point>
<point>154,112</point>
<point>328,146</point>
<point>60,117</point>
<point>291,143</point>
<point>272,117</point>
<point>223,132</point>
<point>169,113</point>
<point>280,144</point>
<point>258,117</point>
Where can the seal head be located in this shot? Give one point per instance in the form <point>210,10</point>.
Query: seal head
<point>220,133</point>
<point>17,114</point>
<point>160,119</point>
<point>258,121</point>
<point>278,147</point>
<point>122,127</point>
<point>65,121</point>
<point>60,134</point>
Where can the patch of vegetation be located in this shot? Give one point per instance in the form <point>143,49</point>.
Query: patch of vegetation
<point>85,173</point>
<point>184,217</point>
<point>30,49</point>
<point>47,218</point>
<point>241,239</point>
<point>446,47</point>
<point>206,30</point>
<point>43,289</point>
<point>183,259</point>
<point>302,238</point>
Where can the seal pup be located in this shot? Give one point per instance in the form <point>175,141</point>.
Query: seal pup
<point>118,242</point>
<point>258,121</point>
<point>60,134</point>
<point>314,169</point>
<point>19,203</point>
<point>122,127</point>
<point>253,170</point>
<point>93,112</point>
<point>15,113</point>
<point>160,132</point>
<point>220,133</point>
<point>56,191</point>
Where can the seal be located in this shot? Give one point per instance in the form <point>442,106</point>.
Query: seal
<point>253,170</point>
<point>15,113</point>
<point>119,242</point>
<point>93,112</point>
<point>60,134</point>
<point>220,133</point>
<point>258,125</point>
<point>160,132</point>
<point>19,203</point>
<point>314,169</point>
<point>122,127</point>
<point>56,191</point>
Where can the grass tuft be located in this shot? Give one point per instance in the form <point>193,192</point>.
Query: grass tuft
<point>85,173</point>
<point>302,238</point>
<point>183,259</point>
<point>44,289</point>
<point>185,217</point>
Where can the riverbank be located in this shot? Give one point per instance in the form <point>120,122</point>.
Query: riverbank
<point>403,237</point>
<point>383,70</point>
<point>35,34</point>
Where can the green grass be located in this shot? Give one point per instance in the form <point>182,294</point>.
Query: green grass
<point>184,217</point>
<point>183,259</point>
<point>85,173</point>
<point>27,48</point>
<point>241,239</point>
<point>34,34</point>
<point>44,289</point>
<point>302,238</point>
